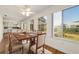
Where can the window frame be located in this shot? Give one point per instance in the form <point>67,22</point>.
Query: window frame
<point>62,38</point>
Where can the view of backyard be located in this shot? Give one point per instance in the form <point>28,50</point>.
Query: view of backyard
<point>71,23</point>
<point>67,26</point>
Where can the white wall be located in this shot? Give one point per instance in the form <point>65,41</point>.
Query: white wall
<point>1,28</point>
<point>58,43</point>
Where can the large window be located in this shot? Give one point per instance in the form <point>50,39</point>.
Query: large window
<point>71,23</point>
<point>66,23</point>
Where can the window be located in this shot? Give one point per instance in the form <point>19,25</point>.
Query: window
<point>71,23</point>
<point>57,24</point>
<point>42,25</point>
<point>66,23</point>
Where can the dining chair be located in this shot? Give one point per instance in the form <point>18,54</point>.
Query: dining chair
<point>25,44</point>
<point>14,44</point>
<point>39,46</point>
<point>6,41</point>
<point>3,44</point>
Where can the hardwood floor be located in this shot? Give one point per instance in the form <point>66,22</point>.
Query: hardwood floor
<point>48,48</point>
<point>53,50</point>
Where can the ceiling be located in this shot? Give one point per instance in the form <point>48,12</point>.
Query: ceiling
<point>13,12</point>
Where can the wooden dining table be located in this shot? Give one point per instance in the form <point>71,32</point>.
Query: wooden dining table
<point>29,36</point>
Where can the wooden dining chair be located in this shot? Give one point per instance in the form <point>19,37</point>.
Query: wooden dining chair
<point>14,44</point>
<point>33,40</point>
<point>6,41</point>
<point>39,46</point>
<point>3,44</point>
<point>25,44</point>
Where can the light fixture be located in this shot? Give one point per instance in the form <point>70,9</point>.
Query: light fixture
<point>28,9</point>
<point>27,13</point>
<point>23,13</point>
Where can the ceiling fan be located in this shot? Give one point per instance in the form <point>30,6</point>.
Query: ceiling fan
<point>26,11</point>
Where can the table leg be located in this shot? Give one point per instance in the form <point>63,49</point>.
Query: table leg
<point>22,49</point>
<point>29,46</point>
<point>36,45</point>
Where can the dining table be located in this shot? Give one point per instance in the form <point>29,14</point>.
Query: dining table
<point>29,37</point>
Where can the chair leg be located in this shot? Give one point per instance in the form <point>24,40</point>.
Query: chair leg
<point>22,49</point>
<point>43,49</point>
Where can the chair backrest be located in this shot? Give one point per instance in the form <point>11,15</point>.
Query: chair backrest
<point>6,40</point>
<point>41,40</point>
<point>13,40</point>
